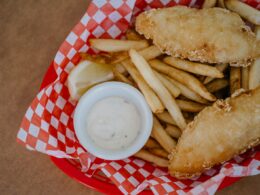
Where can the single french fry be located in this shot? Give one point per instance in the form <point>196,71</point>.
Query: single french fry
<point>120,68</point>
<point>148,156</point>
<point>151,143</point>
<point>184,78</point>
<point>154,82</point>
<point>175,91</point>
<point>173,131</point>
<point>114,45</point>
<point>190,106</point>
<point>133,35</point>
<point>166,117</point>
<point>254,70</point>
<point>96,58</point>
<point>120,77</point>
<point>194,67</point>
<point>220,67</point>
<point>244,10</point>
<point>148,53</point>
<point>217,85</point>
<point>186,92</point>
<point>151,98</point>
<point>245,77</point>
<point>209,3</point>
<point>235,79</point>
<point>162,137</point>
<point>159,152</point>
<point>221,3</point>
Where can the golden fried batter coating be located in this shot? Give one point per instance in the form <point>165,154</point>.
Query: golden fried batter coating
<point>217,134</point>
<point>212,35</point>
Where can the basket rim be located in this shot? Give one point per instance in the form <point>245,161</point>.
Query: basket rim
<point>90,182</point>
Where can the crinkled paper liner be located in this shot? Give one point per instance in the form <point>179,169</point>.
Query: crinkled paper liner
<point>47,126</point>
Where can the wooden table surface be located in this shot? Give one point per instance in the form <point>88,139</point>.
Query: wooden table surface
<point>30,34</point>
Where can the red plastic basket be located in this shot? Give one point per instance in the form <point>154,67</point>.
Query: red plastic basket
<point>98,181</point>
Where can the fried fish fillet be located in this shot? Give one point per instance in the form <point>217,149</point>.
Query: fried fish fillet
<point>217,134</point>
<point>212,35</point>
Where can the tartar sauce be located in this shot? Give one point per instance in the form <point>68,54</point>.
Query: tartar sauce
<point>113,123</point>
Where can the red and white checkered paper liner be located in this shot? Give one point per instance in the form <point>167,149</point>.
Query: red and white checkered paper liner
<point>47,126</point>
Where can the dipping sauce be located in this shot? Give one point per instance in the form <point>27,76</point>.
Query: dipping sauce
<point>113,123</point>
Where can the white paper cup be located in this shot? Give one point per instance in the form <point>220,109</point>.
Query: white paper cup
<point>100,92</point>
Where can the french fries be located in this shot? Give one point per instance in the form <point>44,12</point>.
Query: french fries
<point>117,57</point>
<point>152,80</point>
<point>148,156</point>
<point>245,77</point>
<point>120,77</point>
<point>254,70</point>
<point>190,106</point>
<point>220,67</point>
<point>148,53</point>
<point>173,131</point>
<point>194,67</point>
<point>159,152</point>
<point>184,78</point>
<point>217,85</point>
<point>235,79</point>
<point>244,10</point>
<point>151,143</point>
<point>120,68</point>
<point>166,117</point>
<point>175,91</point>
<point>151,98</point>
<point>186,92</point>
<point>95,58</point>
<point>162,137</point>
<point>209,3</point>
<point>114,45</point>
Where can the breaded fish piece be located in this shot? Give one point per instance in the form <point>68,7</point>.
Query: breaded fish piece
<point>212,35</point>
<point>217,134</point>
